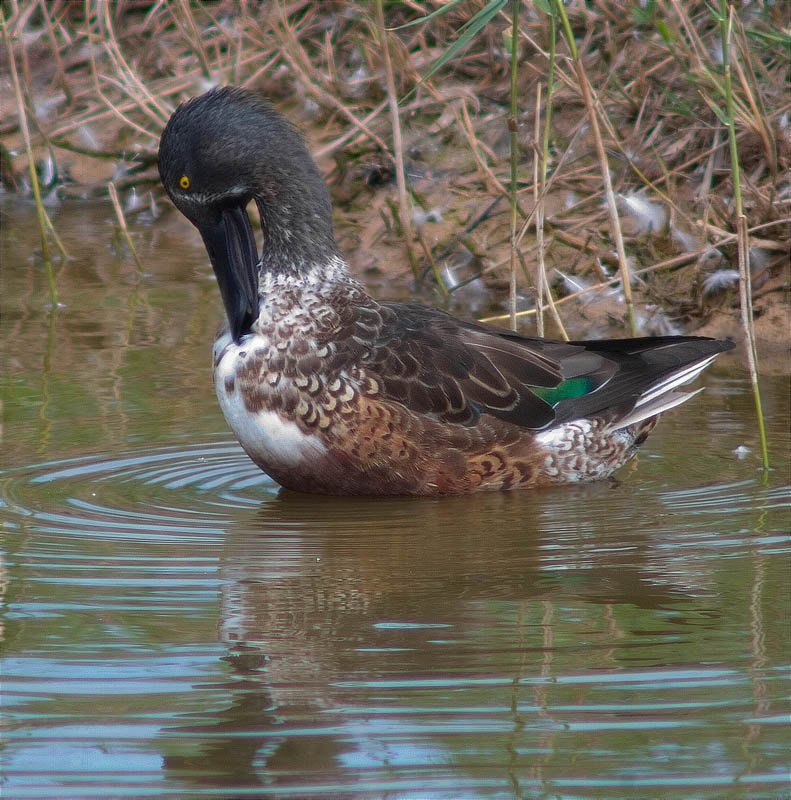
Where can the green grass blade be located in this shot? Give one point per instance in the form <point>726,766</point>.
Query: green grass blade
<point>467,32</point>
<point>438,13</point>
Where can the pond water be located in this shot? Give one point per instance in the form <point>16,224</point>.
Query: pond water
<point>174,625</point>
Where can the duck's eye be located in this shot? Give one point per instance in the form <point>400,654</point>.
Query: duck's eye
<point>184,182</point>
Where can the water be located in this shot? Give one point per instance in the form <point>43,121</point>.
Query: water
<point>176,626</point>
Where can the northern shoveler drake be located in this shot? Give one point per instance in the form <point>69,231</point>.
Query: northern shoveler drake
<point>330,391</point>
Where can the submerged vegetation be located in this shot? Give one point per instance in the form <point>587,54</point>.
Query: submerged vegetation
<point>616,165</point>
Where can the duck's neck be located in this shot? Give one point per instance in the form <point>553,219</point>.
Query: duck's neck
<point>296,218</point>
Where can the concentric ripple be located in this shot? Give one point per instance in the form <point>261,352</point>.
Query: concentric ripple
<point>151,493</point>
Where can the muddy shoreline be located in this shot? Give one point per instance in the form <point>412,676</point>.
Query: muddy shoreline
<point>98,89</point>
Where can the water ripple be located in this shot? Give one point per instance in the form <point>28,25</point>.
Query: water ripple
<point>173,601</point>
<point>128,496</point>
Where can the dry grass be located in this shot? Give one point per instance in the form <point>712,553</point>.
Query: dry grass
<point>99,80</point>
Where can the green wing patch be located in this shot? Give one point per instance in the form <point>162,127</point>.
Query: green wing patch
<point>565,390</point>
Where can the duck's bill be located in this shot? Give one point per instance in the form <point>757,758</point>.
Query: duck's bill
<point>231,247</point>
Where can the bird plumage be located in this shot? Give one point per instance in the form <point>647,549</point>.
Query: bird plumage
<point>331,391</point>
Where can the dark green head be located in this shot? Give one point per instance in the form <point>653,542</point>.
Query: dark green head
<point>223,149</point>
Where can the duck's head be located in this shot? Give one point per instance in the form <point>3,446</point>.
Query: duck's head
<point>218,152</point>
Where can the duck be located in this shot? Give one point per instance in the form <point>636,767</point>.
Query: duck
<point>330,391</point>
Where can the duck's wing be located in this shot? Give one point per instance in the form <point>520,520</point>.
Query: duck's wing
<point>455,371</point>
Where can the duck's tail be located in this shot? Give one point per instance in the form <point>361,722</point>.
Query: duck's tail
<point>648,376</point>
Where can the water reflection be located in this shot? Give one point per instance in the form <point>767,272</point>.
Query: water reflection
<point>174,625</point>
<point>372,646</point>
<point>362,649</point>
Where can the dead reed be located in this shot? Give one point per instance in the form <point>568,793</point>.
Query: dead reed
<point>633,190</point>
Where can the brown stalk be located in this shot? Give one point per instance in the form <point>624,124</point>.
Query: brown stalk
<point>465,123</point>
<point>538,205</point>
<point>44,223</point>
<point>293,53</point>
<point>119,214</point>
<point>114,110</point>
<point>540,187</point>
<point>398,145</point>
<point>591,104</point>
<point>192,34</point>
<point>350,133</point>
<point>56,54</point>
<point>130,83</point>
<point>670,263</point>
<point>758,118</point>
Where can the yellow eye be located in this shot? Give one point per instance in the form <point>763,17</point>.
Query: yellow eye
<point>184,182</point>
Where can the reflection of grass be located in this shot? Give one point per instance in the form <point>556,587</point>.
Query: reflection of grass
<point>124,359</point>
<point>631,121</point>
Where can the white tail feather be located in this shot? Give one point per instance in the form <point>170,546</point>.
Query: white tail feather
<point>659,406</point>
<point>661,396</point>
<point>689,373</point>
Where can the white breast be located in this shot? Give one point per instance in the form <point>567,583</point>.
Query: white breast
<point>271,440</point>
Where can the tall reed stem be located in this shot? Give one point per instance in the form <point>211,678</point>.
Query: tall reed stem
<point>604,166</point>
<point>398,147</point>
<point>541,182</point>
<point>513,129</point>
<point>41,213</point>
<point>725,19</point>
